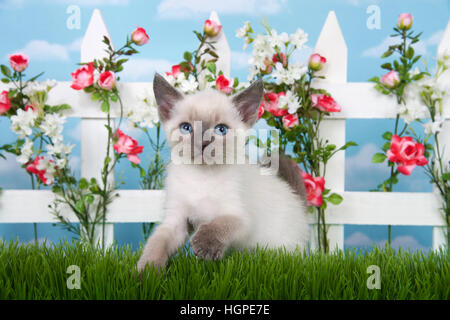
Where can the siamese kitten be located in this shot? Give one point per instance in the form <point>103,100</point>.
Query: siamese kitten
<point>226,205</point>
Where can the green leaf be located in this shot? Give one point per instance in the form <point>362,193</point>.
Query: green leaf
<point>410,52</point>
<point>36,76</point>
<point>387,135</point>
<point>446,176</point>
<point>386,66</point>
<point>378,158</point>
<point>105,106</point>
<point>83,184</point>
<point>211,66</point>
<point>335,198</point>
<point>5,80</point>
<point>187,56</point>
<point>387,54</point>
<point>95,96</point>
<point>5,70</point>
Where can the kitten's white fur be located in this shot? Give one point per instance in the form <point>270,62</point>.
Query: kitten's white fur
<point>263,209</point>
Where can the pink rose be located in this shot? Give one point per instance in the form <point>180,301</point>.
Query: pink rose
<point>280,57</point>
<point>270,104</point>
<point>129,146</point>
<point>314,188</point>
<point>18,61</point>
<point>33,168</point>
<point>269,66</point>
<point>325,103</point>
<point>5,103</point>
<point>406,153</point>
<point>107,80</point>
<point>175,71</point>
<point>290,120</point>
<point>390,79</point>
<point>83,77</point>
<point>139,36</point>
<point>316,62</point>
<point>405,21</point>
<point>211,28</point>
<point>260,111</point>
<point>224,84</point>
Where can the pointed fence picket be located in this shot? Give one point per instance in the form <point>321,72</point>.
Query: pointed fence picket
<point>364,208</point>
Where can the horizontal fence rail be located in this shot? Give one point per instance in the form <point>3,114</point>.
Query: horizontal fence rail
<point>359,100</point>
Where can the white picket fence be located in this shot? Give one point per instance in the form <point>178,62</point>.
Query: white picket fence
<point>358,100</point>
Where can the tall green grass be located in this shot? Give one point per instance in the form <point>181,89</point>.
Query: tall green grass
<point>39,272</point>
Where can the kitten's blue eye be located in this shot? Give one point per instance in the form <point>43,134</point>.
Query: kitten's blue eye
<point>221,129</point>
<point>185,128</point>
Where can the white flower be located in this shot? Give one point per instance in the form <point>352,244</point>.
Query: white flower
<point>59,148</point>
<point>61,163</point>
<point>242,32</point>
<point>22,122</point>
<point>52,126</point>
<point>262,49</point>
<point>299,38</point>
<point>26,152</point>
<point>288,76</point>
<point>188,86</point>
<point>145,112</point>
<point>434,127</point>
<point>289,101</point>
<point>276,40</point>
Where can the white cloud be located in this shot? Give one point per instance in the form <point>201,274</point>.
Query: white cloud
<point>239,59</point>
<point>46,51</point>
<point>361,173</point>
<point>143,69</point>
<point>406,242</point>
<point>358,239</point>
<point>12,4</point>
<point>175,9</point>
<point>420,47</point>
<point>92,2</point>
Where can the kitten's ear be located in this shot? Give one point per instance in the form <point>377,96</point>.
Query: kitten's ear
<point>166,96</point>
<point>247,102</point>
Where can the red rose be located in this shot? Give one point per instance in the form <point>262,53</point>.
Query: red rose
<point>107,80</point>
<point>325,103</point>
<point>83,77</point>
<point>270,104</point>
<point>5,103</point>
<point>406,153</point>
<point>139,36</point>
<point>280,57</point>
<point>224,84</point>
<point>129,146</point>
<point>175,71</point>
<point>314,188</point>
<point>290,120</point>
<point>18,61</point>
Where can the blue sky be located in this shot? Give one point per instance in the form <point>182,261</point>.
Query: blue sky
<point>39,29</point>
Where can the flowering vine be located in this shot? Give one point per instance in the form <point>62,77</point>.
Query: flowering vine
<point>296,109</point>
<point>39,147</point>
<point>89,198</point>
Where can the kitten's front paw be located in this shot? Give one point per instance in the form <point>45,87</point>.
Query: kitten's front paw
<point>206,245</point>
<point>156,261</point>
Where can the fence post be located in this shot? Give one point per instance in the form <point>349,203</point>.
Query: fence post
<point>94,140</point>
<point>331,45</point>
<point>440,233</point>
